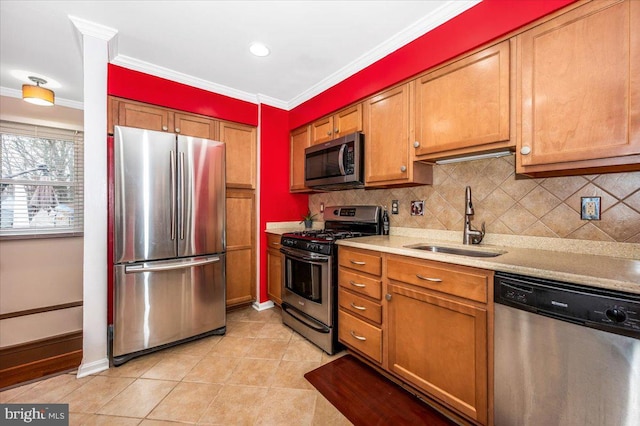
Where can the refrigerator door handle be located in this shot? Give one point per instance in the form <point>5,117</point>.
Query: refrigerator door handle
<point>172,168</point>
<point>181,196</point>
<point>134,269</point>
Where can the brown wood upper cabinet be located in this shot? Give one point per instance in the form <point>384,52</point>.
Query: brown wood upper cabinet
<point>579,91</point>
<point>195,125</point>
<point>241,144</point>
<point>300,140</point>
<point>343,122</point>
<point>136,114</point>
<point>387,124</point>
<point>464,107</point>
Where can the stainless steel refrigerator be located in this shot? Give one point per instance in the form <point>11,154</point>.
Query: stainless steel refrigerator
<point>169,241</point>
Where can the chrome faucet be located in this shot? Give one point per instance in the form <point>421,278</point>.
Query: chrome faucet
<point>470,235</point>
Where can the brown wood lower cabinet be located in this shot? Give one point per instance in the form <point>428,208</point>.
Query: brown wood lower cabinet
<point>431,330</point>
<point>274,269</point>
<point>440,346</point>
<point>240,269</point>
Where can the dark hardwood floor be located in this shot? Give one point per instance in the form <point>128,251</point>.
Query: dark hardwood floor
<point>367,398</point>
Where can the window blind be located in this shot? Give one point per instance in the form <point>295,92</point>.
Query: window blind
<point>41,181</point>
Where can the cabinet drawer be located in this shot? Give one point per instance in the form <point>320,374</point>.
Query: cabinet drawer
<point>360,260</point>
<point>359,283</point>
<point>460,281</point>
<point>360,306</point>
<point>273,241</point>
<point>360,336</point>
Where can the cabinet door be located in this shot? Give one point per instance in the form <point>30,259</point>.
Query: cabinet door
<point>131,114</point>
<point>196,126</point>
<point>440,346</point>
<point>300,140</point>
<point>464,104</point>
<point>387,135</point>
<point>578,88</point>
<point>343,122</point>
<point>347,121</point>
<point>240,247</point>
<point>241,144</point>
<point>322,130</point>
<point>274,275</point>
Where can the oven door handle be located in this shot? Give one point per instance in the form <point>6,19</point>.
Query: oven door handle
<point>305,319</point>
<point>312,259</point>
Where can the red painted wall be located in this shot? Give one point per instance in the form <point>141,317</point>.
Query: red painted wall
<point>276,203</point>
<point>135,85</point>
<point>479,25</point>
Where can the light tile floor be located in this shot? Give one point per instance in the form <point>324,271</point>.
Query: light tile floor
<point>251,376</point>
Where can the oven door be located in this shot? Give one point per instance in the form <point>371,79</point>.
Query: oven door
<point>307,283</point>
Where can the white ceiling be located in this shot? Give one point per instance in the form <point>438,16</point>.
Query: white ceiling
<point>314,44</point>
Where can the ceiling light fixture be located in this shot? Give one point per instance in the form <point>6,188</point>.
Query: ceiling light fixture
<point>37,95</point>
<point>259,49</point>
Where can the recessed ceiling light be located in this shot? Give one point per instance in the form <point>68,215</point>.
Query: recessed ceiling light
<point>259,49</point>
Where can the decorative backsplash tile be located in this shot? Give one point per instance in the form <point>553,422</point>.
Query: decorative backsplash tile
<point>545,207</point>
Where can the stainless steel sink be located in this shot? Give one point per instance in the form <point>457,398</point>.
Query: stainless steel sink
<point>456,250</point>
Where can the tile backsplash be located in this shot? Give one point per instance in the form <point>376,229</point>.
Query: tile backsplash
<point>544,207</point>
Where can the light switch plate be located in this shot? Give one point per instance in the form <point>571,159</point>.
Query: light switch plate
<point>590,209</point>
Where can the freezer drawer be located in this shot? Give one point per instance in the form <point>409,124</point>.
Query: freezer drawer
<point>158,303</point>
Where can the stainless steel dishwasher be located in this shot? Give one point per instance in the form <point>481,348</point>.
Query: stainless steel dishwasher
<point>565,354</point>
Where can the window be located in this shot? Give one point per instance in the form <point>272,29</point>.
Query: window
<point>41,181</point>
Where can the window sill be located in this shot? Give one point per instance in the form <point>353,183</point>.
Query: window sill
<point>41,235</point>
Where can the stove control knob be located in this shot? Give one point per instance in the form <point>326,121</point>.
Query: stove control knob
<point>616,314</point>
<point>336,212</point>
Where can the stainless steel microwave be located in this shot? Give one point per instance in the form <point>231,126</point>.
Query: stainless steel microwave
<point>337,164</point>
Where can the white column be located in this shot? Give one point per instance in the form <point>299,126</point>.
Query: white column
<point>95,50</point>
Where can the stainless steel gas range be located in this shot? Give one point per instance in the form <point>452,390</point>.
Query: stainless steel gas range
<point>310,272</point>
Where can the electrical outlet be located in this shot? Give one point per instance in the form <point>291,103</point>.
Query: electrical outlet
<point>394,206</point>
<point>590,209</point>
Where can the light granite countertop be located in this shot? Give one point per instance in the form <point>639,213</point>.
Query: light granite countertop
<point>609,265</point>
<point>596,270</point>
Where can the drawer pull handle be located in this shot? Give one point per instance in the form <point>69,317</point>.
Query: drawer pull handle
<point>357,284</point>
<point>358,337</point>
<point>355,262</point>
<point>433,280</point>
<point>360,308</point>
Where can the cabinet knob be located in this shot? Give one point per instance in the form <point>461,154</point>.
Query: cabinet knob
<point>525,150</point>
<point>165,128</point>
<point>416,144</point>
<point>177,129</point>
<point>403,168</point>
<point>336,130</point>
<point>387,296</point>
<point>329,133</point>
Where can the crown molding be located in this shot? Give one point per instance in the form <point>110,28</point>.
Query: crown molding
<point>99,31</point>
<point>158,71</point>
<point>92,29</point>
<point>13,93</point>
<point>407,35</point>
<point>268,100</point>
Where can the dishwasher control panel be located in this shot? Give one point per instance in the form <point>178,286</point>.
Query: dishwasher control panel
<point>608,310</point>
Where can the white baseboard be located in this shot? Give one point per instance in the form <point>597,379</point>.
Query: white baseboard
<point>262,306</point>
<point>92,367</point>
